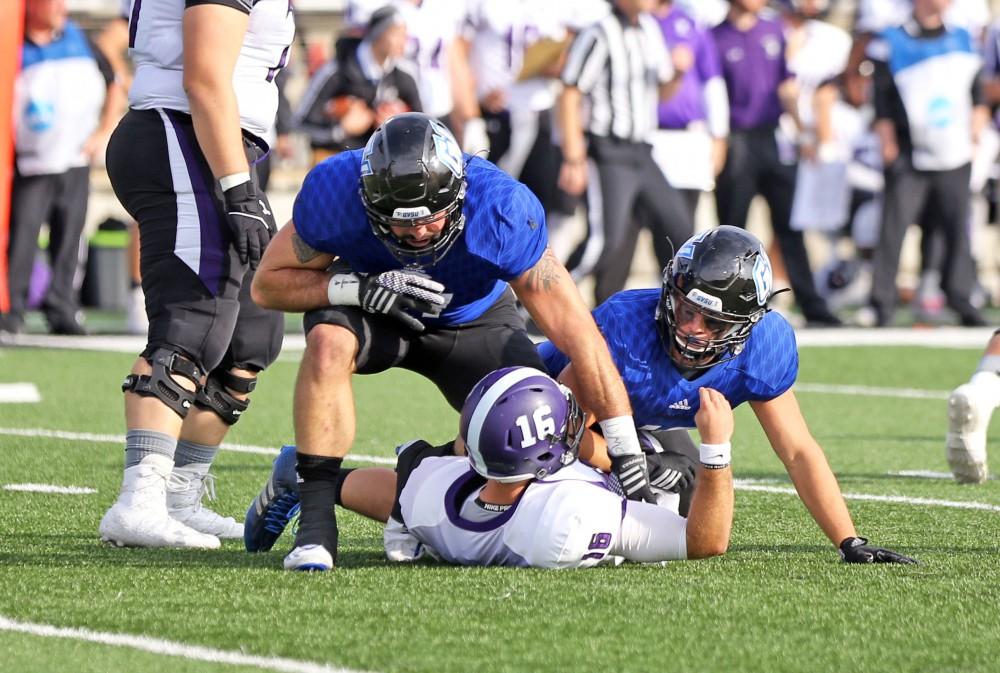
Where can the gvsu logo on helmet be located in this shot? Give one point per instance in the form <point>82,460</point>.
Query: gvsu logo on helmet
<point>763,278</point>
<point>700,298</point>
<point>447,150</point>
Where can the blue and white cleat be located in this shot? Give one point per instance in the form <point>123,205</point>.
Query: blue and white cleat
<point>275,506</point>
<point>309,558</point>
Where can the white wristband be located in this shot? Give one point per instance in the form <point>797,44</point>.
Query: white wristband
<point>229,181</point>
<point>715,456</point>
<point>344,289</point>
<point>619,433</point>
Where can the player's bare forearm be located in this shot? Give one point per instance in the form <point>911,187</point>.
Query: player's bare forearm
<point>212,38</point>
<point>710,520</point>
<point>292,276</point>
<point>820,493</point>
<point>552,298</point>
<point>593,448</point>
<point>806,464</point>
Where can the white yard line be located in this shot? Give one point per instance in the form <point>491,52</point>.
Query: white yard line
<point>170,648</point>
<point>750,485</point>
<point>49,488</point>
<point>746,485</point>
<point>120,439</point>
<point>871,391</point>
<point>19,393</point>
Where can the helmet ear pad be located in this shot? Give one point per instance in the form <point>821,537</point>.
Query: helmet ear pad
<point>725,275</point>
<point>413,173</point>
<point>518,423</point>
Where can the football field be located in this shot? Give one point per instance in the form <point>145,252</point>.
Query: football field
<point>780,600</point>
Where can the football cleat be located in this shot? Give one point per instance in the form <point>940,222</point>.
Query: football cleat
<point>309,558</point>
<point>139,517</point>
<point>401,546</point>
<point>186,486</point>
<point>274,506</point>
<point>965,444</point>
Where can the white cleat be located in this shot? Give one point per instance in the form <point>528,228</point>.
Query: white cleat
<point>965,445</point>
<point>185,488</point>
<point>138,527</point>
<point>401,546</point>
<point>139,517</point>
<point>309,558</point>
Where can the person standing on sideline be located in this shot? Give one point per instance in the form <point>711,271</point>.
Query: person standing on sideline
<point>929,112</point>
<point>65,106</point>
<point>622,64</point>
<point>761,87</point>
<point>969,409</point>
<point>435,241</point>
<point>182,163</point>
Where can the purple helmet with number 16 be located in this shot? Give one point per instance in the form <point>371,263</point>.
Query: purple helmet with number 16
<point>518,423</point>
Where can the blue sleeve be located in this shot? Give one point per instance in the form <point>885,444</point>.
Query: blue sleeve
<point>774,360</point>
<point>554,359</point>
<point>522,233</point>
<point>325,200</point>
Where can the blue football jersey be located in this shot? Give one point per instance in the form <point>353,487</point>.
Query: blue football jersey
<point>660,396</point>
<point>504,235</point>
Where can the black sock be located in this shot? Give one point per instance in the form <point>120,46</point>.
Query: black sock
<point>341,478</point>
<point>318,495</point>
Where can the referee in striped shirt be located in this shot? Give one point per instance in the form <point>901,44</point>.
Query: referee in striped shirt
<point>623,65</point>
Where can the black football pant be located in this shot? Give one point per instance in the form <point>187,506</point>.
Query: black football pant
<point>61,201</point>
<point>624,181</point>
<point>908,192</point>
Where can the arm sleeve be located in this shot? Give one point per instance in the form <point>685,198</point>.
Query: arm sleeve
<point>322,204</point>
<point>651,533</point>
<point>585,60</point>
<point>103,64</point>
<point>772,369</point>
<point>526,236</point>
<point>978,95</point>
<point>310,117</point>
<point>283,119</point>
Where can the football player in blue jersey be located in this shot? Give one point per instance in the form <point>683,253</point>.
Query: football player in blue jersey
<point>709,326</point>
<point>428,242</point>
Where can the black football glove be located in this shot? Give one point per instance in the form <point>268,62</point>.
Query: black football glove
<point>391,293</point>
<point>633,476</point>
<point>250,221</point>
<point>857,550</point>
<point>668,471</point>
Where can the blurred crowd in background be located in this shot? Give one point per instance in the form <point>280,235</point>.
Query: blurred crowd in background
<point>810,104</point>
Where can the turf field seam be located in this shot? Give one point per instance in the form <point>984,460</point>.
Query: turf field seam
<point>170,648</point>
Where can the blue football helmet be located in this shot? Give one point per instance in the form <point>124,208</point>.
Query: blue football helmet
<point>518,423</point>
<point>725,275</point>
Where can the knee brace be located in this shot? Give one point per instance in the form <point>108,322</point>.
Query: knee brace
<point>215,395</point>
<point>160,383</point>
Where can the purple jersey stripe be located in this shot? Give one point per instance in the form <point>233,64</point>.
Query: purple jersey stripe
<point>133,23</point>
<point>214,243</point>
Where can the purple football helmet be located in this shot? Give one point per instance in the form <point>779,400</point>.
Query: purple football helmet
<point>518,423</point>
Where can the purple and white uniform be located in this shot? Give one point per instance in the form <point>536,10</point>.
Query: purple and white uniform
<point>570,519</point>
